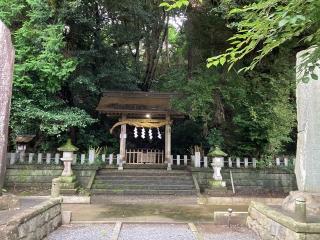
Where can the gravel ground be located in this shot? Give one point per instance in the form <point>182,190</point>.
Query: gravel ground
<point>155,232</point>
<point>83,232</point>
<point>147,231</point>
<point>218,232</point>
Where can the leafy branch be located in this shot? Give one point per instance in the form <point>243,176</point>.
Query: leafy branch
<point>266,25</point>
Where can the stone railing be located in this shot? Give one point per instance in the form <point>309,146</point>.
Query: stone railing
<point>199,161</point>
<point>91,157</point>
<point>33,223</point>
<point>54,158</point>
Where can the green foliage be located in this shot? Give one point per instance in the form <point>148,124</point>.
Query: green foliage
<point>259,115</point>
<point>41,71</point>
<point>252,113</point>
<point>173,4</point>
<point>215,137</point>
<point>59,76</point>
<point>266,25</point>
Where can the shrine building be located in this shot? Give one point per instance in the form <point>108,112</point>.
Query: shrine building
<point>147,112</point>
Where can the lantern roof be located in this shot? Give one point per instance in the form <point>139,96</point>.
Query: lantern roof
<point>216,152</point>
<point>68,147</point>
<point>24,138</point>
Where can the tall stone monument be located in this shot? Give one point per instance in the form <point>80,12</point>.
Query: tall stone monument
<point>302,221</point>
<point>6,73</point>
<point>307,165</point>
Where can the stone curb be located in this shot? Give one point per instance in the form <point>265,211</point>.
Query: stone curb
<point>196,184</point>
<point>195,231</point>
<point>237,200</point>
<point>32,212</point>
<point>130,222</point>
<point>285,220</point>
<point>116,231</point>
<point>76,199</point>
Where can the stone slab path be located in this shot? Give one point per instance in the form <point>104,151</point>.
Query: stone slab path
<point>155,211</point>
<point>151,231</point>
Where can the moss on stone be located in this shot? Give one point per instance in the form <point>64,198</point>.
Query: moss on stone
<point>68,147</point>
<point>216,152</point>
<point>179,213</point>
<point>69,179</point>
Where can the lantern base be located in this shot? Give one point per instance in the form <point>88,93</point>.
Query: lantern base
<point>68,185</point>
<point>216,187</point>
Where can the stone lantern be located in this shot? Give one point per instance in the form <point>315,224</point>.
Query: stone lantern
<point>67,179</point>
<point>216,183</point>
<point>217,156</point>
<point>22,141</point>
<point>67,157</point>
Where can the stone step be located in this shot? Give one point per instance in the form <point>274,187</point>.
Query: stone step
<point>150,166</point>
<point>142,173</point>
<point>145,166</point>
<point>151,187</point>
<point>68,192</point>
<point>142,192</point>
<point>144,178</point>
<point>143,181</point>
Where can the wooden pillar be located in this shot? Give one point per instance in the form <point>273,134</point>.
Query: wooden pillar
<point>123,137</point>
<point>168,141</point>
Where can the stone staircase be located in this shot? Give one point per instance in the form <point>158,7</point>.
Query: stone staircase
<point>143,182</point>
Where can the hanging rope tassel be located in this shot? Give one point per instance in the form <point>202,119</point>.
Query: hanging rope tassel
<point>135,132</point>
<point>143,133</point>
<point>159,134</point>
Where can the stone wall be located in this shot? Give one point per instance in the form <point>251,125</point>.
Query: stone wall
<point>269,223</point>
<point>40,176</point>
<point>33,223</point>
<point>252,180</point>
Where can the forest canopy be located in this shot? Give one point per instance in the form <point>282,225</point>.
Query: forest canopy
<point>68,52</point>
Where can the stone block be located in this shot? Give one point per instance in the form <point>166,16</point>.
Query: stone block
<point>66,217</point>
<point>312,202</point>
<point>269,223</point>
<point>46,216</point>
<point>77,199</point>
<point>41,231</point>
<point>54,211</point>
<point>9,202</point>
<point>32,223</point>
<point>55,187</point>
<point>40,219</point>
<point>57,221</point>
<point>23,230</point>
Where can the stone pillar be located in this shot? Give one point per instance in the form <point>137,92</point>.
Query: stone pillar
<point>307,165</point>
<point>123,137</point>
<point>6,73</point>
<point>167,143</point>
